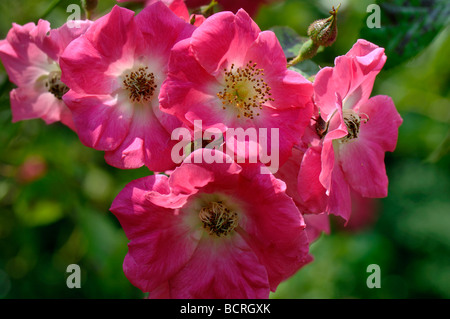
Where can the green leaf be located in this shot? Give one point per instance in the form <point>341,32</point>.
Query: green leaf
<point>102,236</point>
<point>441,150</point>
<point>306,68</point>
<point>290,41</point>
<point>407,27</point>
<point>43,212</point>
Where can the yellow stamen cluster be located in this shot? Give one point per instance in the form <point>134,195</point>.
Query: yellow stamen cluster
<point>245,90</point>
<point>218,219</point>
<point>140,84</point>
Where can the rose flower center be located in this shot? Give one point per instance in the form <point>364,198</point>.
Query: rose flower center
<point>140,85</point>
<point>352,122</point>
<point>55,86</point>
<point>245,90</point>
<point>218,219</point>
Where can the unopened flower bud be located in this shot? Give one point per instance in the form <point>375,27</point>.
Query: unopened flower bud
<point>308,50</point>
<point>324,31</point>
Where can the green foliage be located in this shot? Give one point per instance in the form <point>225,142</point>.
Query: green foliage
<point>407,27</point>
<point>291,43</point>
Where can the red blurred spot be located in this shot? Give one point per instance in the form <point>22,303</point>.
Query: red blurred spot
<point>33,168</point>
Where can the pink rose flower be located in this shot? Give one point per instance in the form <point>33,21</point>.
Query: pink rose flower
<point>354,131</point>
<point>210,231</point>
<point>177,6</point>
<point>31,55</point>
<point>316,221</point>
<point>316,224</point>
<point>115,72</point>
<point>365,213</point>
<point>231,75</point>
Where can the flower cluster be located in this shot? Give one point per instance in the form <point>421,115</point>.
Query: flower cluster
<point>249,157</point>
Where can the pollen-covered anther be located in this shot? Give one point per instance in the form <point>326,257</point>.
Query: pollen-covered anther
<point>353,122</point>
<point>245,89</point>
<point>140,85</point>
<point>218,219</point>
<point>55,86</point>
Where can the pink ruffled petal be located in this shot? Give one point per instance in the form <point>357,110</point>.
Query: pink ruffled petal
<point>223,39</point>
<point>291,124</point>
<point>325,86</point>
<point>362,159</point>
<point>199,19</point>
<point>369,57</point>
<point>273,227</point>
<point>291,90</point>
<point>146,143</point>
<point>221,271</point>
<point>339,202</point>
<point>113,32</point>
<point>133,208</point>
<point>363,164</point>
<point>111,40</point>
<point>196,173</point>
<point>365,212</point>
<point>188,91</point>
<point>161,292</point>
<point>288,173</point>
<point>161,29</point>
<point>158,246</point>
<point>23,60</point>
<point>316,224</point>
<point>67,118</point>
<point>363,69</point>
<point>311,191</point>
<point>27,103</point>
<point>267,52</point>
<point>336,130</point>
<point>352,78</point>
<point>383,122</point>
<point>53,42</point>
<point>83,69</point>
<point>161,253</point>
<point>179,8</point>
<point>100,123</point>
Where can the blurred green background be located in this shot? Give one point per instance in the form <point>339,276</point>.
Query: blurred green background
<point>55,193</point>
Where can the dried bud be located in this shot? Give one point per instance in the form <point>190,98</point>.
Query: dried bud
<point>324,31</point>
